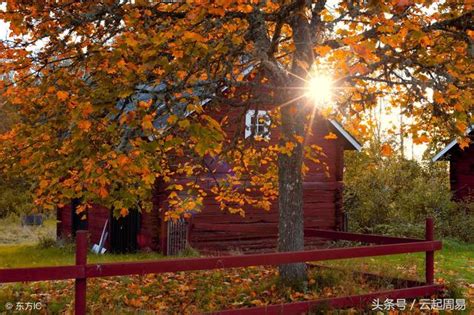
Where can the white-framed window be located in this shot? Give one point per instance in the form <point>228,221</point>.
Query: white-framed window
<point>257,123</point>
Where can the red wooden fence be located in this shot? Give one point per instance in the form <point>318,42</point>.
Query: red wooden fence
<point>387,246</point>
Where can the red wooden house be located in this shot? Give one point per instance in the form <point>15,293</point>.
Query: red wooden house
<point>214,230</point>
<point>461,166</point>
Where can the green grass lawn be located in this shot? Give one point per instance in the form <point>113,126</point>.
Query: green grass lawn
<point>25,255</point>
<point>13,233</point>
<point>19,248</point>
<point>455,262</point>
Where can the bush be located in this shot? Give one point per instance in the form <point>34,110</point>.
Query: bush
<point>15,197</point>
<point>394,196</point>
<point>459,222</point>
<point>46,241</point>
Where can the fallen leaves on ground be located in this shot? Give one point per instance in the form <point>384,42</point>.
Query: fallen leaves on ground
<point>186,292</point>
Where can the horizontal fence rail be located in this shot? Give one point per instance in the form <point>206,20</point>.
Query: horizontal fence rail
<point>209,263</point>
<point>363,238</point>
<point>389,246</point>
<point>336,303</point>
<point>194,264</point>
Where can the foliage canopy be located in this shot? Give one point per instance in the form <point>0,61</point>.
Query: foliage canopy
<point>80,70</point>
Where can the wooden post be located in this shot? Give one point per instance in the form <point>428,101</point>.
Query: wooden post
<point>429,263</point>
<point>81,260</point>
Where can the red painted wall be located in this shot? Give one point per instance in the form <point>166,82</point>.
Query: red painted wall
<point>213,230</point>
<point>96,217</point>
<point>462,172</point>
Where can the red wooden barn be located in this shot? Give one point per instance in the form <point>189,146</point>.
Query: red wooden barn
<point>214,230</point>
<point>461,166</point>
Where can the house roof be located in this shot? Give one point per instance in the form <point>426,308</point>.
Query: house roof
<point>149,92</point>
<point>442,155</point>
<point>346,135</point>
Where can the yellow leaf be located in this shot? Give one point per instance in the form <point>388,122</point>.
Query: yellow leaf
<point>172,119</point>
<point>330,136</point>
<point>131,42</point>
<point>43,183</point>
<point>149,178</point>
<point>300,139</point>
<point>147,122</point>
<point>184,123</point>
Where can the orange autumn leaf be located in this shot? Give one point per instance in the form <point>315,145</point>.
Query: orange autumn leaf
<point>177,53</point>
<point>323,50</point>
<point>62,95</point>
<point>386,150</point>
<point>193,36</point>
<point>43,184</point>
<point>421,139</point>
<point>84,125</point>
<point>330,136</point>
<point>103,192</point>
<point>358,68</point>
<point>464,142</point>
<point>461,126</point>
<point>123,160</point>
<point>124,212</point>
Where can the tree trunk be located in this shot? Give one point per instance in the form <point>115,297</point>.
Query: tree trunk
<point>290,179</point>
<point>290,200</point>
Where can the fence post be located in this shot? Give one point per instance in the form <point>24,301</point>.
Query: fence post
<point>429,263</point>
<point>81,260</point>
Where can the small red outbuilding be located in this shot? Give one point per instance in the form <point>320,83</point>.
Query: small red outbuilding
<point>461,166</point>
<point>212,230</point>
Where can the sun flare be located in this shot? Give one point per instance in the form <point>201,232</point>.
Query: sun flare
<point>319,89</point>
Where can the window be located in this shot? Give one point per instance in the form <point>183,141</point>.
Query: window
<point>257,123</point>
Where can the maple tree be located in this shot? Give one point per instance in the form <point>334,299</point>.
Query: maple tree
<point>112,95</point>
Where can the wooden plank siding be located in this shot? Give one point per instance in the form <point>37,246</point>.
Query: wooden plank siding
<point>215,230</point>
<point>462,172</point>
<point>96,217</point>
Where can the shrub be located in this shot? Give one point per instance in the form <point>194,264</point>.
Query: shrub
<point>46,241</point>
<point>394,196</point>
<point>459,222</point>
<point>15,197</point>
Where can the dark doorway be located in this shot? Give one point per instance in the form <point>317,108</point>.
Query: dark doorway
<point>124,231</point>
<point>79,221</point>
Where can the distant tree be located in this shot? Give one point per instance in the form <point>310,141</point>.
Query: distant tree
<point>78,64</point>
